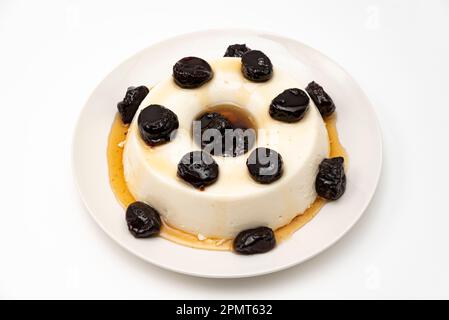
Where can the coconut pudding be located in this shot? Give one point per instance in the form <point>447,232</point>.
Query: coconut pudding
<point>269,173</point>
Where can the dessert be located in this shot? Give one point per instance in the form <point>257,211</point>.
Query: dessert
<point>179,166</point>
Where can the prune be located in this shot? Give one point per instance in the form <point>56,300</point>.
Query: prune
<point>128,106</point>
<point>226,139</point>
<point>330,181</point>
<point>213,121</point>
<point>157,124</point>
<point>192,72</point>
<point>143,220</point>
<point>236,50</point>
<point>322,100</point>
<point>198,169</point>
<point>256,66</point>
<point>258,240</point>
<point>265,165</point>
<point>289,106</point>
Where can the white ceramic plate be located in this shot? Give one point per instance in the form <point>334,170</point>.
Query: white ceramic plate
<point>357,125</point>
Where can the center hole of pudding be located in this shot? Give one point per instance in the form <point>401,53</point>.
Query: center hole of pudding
<point>225,130</point>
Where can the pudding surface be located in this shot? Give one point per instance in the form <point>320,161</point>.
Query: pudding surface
<point>235,202</point>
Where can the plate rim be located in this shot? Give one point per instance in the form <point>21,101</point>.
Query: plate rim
<point>247,31</point>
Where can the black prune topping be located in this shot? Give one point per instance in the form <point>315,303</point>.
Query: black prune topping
<point>227,140</point>
<point>265,165</point>
<point>143,220</point>
<point>192,72</point>
<point>256,66</point>
<point>214,120</point>
<point>209,121</point>
<point>289,106</point>
<point>252,241</point>
<point>198,169</point>
<point>321,99</point>
<point>236,50</point>
<point>157,124</point>
<point>128,106</point>
<point>330,182</point>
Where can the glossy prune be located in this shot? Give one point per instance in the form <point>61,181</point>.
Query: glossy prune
<point>322,100</point>
<point>236,50</point>
<point>128,106</point>
<point>265,165</point>
<point>256,66</point>
<point>157,124</point>
<point>289,106</point>
<point>198,169</point>
<point>192,72</point>
<point>143,220</point>
<point>220,137</point>
<point>330,181</point>
<point>252,241</point>
<point>213,121</point>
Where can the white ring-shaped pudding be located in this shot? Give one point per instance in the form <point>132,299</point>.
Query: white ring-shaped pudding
<point>235,202</point>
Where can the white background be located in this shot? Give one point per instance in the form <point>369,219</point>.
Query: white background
<point>54,53</point>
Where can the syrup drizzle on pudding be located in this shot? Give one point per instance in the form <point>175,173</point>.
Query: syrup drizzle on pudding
<point>116,139</point>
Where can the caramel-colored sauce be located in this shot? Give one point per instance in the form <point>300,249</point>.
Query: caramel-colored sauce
<point>335,147</point>
<point>117,137</point>
<point>116,140</point>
